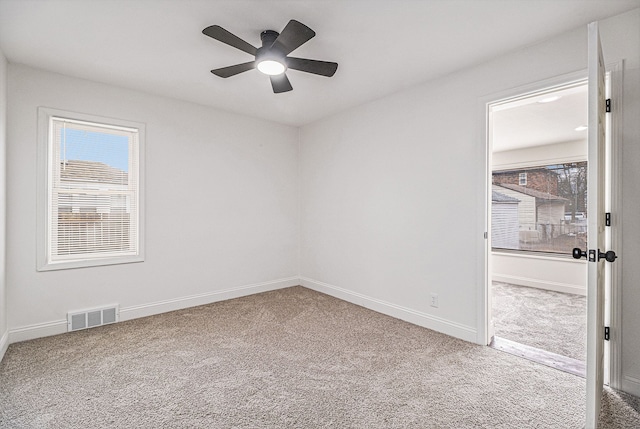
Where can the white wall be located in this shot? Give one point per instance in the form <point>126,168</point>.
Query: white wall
<point>392,204</point>
<point>533,156</point>
<point>4,330</point>
<point>221,204</point>
<point>543,272</point>
<point>392,191</point>
<point>627,37</point>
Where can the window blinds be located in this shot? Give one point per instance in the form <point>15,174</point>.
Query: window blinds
<point>93,192</point>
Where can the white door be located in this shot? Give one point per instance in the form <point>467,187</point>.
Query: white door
<point>595,228</point>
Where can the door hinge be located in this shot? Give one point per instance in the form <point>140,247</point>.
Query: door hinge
<point>607,105</point>
<point>486,235</point>
<point>607,219</point>
<point>607,333</point>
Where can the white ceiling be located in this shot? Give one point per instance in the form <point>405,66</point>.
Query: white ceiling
<point>382,46</point>
<point>541,120</point>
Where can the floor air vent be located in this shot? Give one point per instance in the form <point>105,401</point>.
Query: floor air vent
<point>92,318</point>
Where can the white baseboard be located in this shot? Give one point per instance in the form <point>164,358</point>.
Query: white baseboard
<point>4,344</point>
<point>136,311</point>
<point>541,284</point>
<point>133,312</point>
<point>419,318</point>
<point>630,385</point>
<point>37,330</point>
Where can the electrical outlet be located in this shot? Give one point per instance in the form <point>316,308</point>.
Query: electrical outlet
<point>434,300</point>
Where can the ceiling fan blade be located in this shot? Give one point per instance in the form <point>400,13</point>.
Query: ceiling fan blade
<point>222,35</point>
<point>323,68</point>
<point>234,70</point>
<point>280,83</point>
<point>294,34</point>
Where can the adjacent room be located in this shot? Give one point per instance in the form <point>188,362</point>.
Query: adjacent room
<point>538,216</point>
<point>278,214</point>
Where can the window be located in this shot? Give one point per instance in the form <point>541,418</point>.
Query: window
<point>547,215</point>
<point>523,179</point>
<point>89,191</point>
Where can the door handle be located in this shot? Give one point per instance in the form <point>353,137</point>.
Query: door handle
<point>610,256</point>
<point>578,253</point>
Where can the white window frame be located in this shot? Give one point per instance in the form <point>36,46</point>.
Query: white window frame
<point>522,179</point>
<point>45,156</point>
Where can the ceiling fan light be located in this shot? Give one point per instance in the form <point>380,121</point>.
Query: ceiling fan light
<point>271,67</point>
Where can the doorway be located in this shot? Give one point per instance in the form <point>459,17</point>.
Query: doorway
<point>604,178</point>
<point>538,164</point>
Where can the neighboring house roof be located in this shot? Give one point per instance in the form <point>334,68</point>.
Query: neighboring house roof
<point>92,171</point>
<point>497,197</point>
<point>532,192</point>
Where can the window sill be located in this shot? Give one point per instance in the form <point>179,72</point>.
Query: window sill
<point>86,263</point>
<point>537,255</point>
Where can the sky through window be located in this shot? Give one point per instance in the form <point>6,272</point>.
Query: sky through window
<point>108,148</point>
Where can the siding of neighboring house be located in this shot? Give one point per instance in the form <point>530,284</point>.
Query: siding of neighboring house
<point>548,211</point>
<point>551,212</point>
<point>526,207</point>
<point>504,221</point>
<point>550,219</point>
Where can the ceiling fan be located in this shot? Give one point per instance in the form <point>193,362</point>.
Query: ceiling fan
<point>272,58</point>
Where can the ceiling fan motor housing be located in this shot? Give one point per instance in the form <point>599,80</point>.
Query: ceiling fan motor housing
<point>268,37</point>
<point>267,52</point>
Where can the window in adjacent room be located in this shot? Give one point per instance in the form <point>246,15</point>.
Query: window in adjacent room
<point>90,191</point>
<point>548,215</point>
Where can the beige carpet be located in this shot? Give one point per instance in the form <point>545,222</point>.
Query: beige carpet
<point>551,321</point>
<point>291,358</point>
